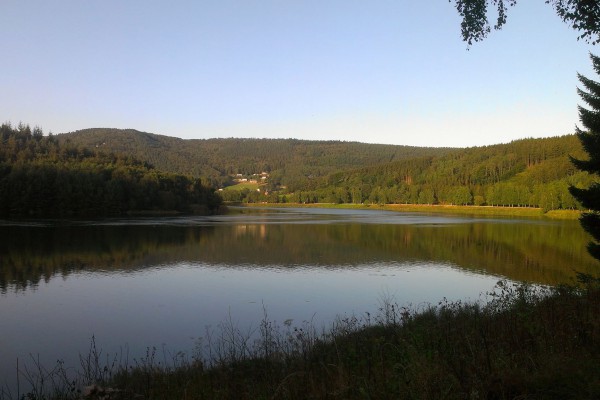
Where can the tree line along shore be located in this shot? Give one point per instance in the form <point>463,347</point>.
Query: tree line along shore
<point>533,173</point>
<point>40,177</point>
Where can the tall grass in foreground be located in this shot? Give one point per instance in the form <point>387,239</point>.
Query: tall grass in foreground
<point>525,342</point>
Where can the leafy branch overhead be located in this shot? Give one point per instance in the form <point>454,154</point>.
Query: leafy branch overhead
<point>581,15</point>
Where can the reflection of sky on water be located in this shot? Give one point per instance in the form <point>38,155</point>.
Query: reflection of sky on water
<point>173,304</point>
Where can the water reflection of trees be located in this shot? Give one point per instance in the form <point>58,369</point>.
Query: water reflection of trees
<point>33,254</point>
<point>545,253</point>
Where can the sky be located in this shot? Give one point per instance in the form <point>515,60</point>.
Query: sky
<point>377,71</point>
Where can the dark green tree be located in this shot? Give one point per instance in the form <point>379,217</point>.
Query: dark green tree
<point>590,140</point>
<point>581,15</point>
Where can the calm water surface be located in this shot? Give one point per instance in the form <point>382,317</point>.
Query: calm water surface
<point>162,283</point>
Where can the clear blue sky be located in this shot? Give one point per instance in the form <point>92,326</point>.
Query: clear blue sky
<point>393,71</point>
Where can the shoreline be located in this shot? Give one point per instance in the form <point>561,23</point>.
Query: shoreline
<point>492,211</point>
<point>525,342</point>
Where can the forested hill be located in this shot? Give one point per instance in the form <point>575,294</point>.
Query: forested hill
<point>527,172</point>
<point>290,162</point>
<point>40,177</point>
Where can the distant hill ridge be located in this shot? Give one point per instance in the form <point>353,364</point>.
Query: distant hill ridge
<point>526,172</point>
<point>289,161</point>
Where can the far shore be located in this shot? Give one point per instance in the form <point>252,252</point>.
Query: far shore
<point>528,212</point>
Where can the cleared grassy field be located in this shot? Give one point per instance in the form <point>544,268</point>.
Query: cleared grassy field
<point>243,185</point>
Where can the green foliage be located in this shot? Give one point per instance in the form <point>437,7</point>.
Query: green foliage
<point>41,177</point>
<point>581,15</point>
<point>523,173</point>
<point>295,164</point>
<point>590,140</point>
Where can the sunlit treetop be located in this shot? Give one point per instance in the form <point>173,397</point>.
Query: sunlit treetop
<point>581,15</point>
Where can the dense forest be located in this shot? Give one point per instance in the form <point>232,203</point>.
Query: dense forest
<point>523,173</point>
<point>295,164</point>
<point>43,177</point>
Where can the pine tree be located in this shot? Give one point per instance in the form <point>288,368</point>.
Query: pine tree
<point>590,139</point>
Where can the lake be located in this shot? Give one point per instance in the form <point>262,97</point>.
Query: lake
<point>135,284</point>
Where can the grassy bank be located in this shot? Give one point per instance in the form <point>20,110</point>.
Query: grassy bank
<point>525,343</point>
<point>243,185</point>
<point>492,211</point>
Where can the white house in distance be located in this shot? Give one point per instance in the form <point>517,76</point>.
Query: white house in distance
<point>263,176</point>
